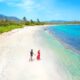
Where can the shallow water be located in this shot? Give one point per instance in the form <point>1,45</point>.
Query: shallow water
<point>67,60</point>
<point>69,34</point>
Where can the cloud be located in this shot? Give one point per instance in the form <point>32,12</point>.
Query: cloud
<point>6,1</point>
<point>1,0</point>
<point>28,5</point>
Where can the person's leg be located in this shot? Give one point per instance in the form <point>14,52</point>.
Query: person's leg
<point>31,58</point>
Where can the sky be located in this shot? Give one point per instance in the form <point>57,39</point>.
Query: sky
<point>45,10</point>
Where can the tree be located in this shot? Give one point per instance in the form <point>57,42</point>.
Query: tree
<point>24,19</point>
<point>38,20</point>
<point>32,21</point>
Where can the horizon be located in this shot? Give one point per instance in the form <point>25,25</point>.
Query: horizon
<point>65,10</point>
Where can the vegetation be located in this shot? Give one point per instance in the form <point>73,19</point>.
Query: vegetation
<point>8,28</point>
<point>7,25</point>
<point>31,22</point>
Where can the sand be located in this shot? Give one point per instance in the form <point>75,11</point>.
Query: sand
<point>15,48</point>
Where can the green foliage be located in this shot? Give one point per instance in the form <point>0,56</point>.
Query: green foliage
<point>8,28</point>
<point>7,25</point>
<point>31,22</point>
<point>24,20</point>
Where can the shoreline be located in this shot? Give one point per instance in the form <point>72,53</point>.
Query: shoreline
<point>14,56</point>
<point>66,45</point>
<point>15,47</point>
<point>13,30</point>
<point>65,56</point>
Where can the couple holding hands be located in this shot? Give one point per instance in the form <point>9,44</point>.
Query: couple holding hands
<point>32,53</point>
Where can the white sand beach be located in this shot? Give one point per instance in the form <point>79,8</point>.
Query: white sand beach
<point>15,49</point>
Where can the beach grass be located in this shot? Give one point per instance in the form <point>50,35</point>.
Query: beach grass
<point>9,28</point>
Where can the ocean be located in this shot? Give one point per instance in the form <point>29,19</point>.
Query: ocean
<point>64,41</point>
<point>68,34</point>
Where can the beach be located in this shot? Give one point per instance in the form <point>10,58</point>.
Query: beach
<point>15,49</point>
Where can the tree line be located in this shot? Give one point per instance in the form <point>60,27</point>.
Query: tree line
<point>32,22</point>
<point>24,21</point>
<point>8,25</point>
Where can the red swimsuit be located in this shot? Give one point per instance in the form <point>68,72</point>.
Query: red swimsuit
<point>38,55</point>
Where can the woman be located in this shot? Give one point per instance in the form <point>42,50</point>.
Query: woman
<point>38,55</point>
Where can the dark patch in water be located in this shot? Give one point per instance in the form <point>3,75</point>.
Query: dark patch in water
<point>69,34</point>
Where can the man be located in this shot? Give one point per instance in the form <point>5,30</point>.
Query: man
<point>31,54</point>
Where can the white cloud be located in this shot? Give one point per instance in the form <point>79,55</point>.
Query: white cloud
<point>6,1</point>
<point>1,0</point>
<point>28,5</point>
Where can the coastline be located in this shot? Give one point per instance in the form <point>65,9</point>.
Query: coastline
<point>14,56</point>
<point>56,62</point>
<point>66,45</point>
<point>62,53</point>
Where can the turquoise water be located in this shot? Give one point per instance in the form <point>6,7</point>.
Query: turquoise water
<point>69,34</point>
<point>68,60</point>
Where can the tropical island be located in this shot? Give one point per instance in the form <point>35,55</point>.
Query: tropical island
<point>9,23</point>
<point>39,39</point>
